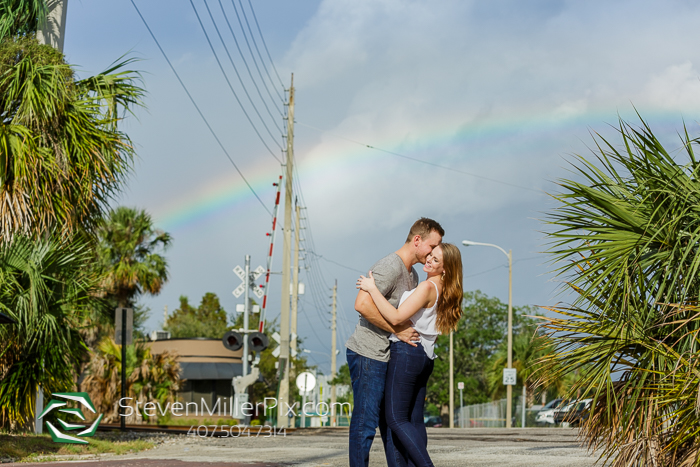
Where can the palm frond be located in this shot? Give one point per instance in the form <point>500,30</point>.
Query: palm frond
<point>626,241</point>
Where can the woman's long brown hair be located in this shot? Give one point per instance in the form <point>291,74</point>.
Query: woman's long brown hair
<point>449,305</point>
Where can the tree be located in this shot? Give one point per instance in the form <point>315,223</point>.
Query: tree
<point>269,374</point>
<point>61,154</point>
<point>627,238</point>
<point>529,346</point>
<point>21,17</point>
<point>46,287</point>
<point>342,376</point>
<point>208,320</point>
<point>480,332</point>
<point>152,378</point>
<point>129,249</point>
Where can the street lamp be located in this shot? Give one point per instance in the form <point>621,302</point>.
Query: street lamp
<point>509,388</point>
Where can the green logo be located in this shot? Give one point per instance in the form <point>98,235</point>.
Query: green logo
<point>82,398</point>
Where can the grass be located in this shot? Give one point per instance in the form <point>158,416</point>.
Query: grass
<point>25,447</point>
<point>178,421</point>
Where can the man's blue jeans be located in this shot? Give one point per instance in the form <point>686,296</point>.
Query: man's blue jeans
<point>368,378</point>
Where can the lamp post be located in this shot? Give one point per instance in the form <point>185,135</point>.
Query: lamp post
<point>509,388</point>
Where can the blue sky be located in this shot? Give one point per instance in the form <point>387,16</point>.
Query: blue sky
<point>505,90</point>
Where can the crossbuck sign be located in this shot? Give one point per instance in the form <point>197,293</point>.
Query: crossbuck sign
<point>240,272</point>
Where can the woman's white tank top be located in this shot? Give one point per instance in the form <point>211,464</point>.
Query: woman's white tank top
<point>424,323</point>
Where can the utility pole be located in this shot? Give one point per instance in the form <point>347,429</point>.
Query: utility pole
<point>295,297</point>
<point>283,395</point>
<point>452,380</point>
<point>509,388</point>
<point>295,281</point>
<point>246,314</point>
<point>53,30</point>
<point>333,345</point>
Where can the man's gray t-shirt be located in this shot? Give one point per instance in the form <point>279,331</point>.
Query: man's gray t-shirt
<point>392,279</point>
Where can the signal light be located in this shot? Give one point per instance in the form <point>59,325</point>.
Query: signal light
<point>257,341</point>
<point>232,340</point>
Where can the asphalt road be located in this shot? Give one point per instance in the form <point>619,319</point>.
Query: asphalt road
<point>328,447</point>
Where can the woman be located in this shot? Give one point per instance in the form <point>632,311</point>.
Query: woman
<point>434,307</point>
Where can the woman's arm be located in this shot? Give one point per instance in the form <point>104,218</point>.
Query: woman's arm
<point>418,299</point>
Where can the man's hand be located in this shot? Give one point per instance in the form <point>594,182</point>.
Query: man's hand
<point>408,335</point>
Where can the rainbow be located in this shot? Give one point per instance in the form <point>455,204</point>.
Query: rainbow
<point>455,146</point>
<point>221,194</point>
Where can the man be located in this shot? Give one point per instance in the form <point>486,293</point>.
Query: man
<point>368,347</point>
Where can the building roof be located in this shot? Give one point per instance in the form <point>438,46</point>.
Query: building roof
<point>201,358</point>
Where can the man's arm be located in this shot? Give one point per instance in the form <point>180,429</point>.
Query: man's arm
<point>365,306</point>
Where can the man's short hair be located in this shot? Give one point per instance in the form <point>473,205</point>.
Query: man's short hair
<point>423,227</point>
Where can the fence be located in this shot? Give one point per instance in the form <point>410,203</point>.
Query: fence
<point>486,415</point>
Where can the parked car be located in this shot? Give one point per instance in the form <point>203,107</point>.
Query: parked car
<point>434,421</point>
<point>573,414</point>
<point>546,415</point>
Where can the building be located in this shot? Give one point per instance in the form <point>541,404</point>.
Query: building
<point>206,366</point>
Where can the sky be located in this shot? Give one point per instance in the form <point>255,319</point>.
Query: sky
<point>467,112</point>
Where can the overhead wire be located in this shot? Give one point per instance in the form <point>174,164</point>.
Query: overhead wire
<point>415,159</point>
<point>316,282</point>
<point>335,262</point>
<point>313,329</point>
<point>211,130</point>
<point>245,36</point>
<point>343,321</point>
<point>256,45</point>
<point>216,57</point>
<point>250,73</point>
<point>319,293</point>
<point>501,267</point>
<point>316,292</point>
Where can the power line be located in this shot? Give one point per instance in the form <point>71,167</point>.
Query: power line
<point>256,45</point>
<point>344,322</point>
<point>245,62</point>
<point>320,341</point>
<point>245,36</point>
<point>423,161</point>
<point>335,262</point>
<point>197,108</point>
<point>216,57</point>
<point>501,266</point>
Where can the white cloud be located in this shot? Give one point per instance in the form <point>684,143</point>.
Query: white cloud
<point>676,88</point>
<point>503,89</point>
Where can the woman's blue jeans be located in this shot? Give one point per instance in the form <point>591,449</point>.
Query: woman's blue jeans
<point>404,399</point>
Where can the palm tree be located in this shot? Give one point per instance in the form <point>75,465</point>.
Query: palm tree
<point>152,378</point>
<point>46,288</point>
<point>627,239</point>
<point>128,249</point>
<point>61,154</point>
<point>528,348</point>
<point>21,17</point>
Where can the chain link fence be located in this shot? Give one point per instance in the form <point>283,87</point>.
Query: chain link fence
<point>493,415</point>
<point>486,415</point>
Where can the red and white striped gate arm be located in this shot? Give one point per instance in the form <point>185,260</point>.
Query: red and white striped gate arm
<point>272,236</point>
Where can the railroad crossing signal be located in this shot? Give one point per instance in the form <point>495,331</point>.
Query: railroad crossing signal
<point>276,337</point>
<point>254,275</point>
